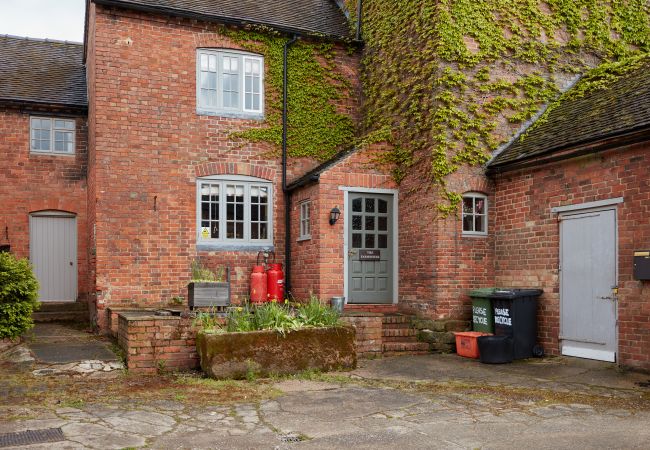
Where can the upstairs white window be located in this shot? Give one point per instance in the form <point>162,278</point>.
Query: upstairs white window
<point>230,83</point>
<point>52,135</point>
<point>305,220</point>
<point>475,209</point>
<point>234,210</point>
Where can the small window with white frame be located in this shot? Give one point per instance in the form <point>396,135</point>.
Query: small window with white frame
<point>305,220</point>
<point>234,210</point>
<point>52,135</point>
<point>475,210</point>
<point>230,82</point>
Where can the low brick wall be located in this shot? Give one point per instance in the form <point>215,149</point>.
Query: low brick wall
<point>153,343</point>
<point>368,328</point>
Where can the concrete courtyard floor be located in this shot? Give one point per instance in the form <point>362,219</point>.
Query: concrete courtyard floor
<point>429,401</point>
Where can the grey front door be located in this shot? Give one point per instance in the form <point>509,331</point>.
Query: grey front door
<point>53,254</point>
<point>370,248</point>
<point>587,284</point>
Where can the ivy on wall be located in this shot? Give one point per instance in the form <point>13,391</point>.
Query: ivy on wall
<point>445,78</point>
<point>315,127</point>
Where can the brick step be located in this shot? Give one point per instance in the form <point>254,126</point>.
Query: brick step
<point>63,306</point>
<point>390,354</point>
<point>398,332</point>
<point>400,347</point>
<point>396,319</point>
<point>399,339</point>
<point>60,316</point>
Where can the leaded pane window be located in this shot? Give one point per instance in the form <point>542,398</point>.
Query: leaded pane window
<point>475,209</point>
<point>230,82</point>
<point>234,211</point>
<point>49,135</point>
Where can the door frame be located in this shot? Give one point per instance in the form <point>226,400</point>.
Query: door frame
<point>346,204</point>
<point>579,209</point>
<point>59,215</point>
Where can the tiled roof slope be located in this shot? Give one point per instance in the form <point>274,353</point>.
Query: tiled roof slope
<point>42,71</point>
<point>303,16</point>
<point>621,107</point>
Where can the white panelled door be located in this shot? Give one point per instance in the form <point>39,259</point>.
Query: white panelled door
<point>53,254</point>
<point>588,284</point>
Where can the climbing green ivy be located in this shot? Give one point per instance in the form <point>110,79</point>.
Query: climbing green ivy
<point>448,80</point>
<point>315,127</point>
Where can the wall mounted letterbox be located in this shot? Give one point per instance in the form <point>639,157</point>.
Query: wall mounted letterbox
<point>642,264</point>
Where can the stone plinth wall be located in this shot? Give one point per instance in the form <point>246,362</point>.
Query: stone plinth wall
<point>267,352</point>
<point>153,343</point>
<point>368,328</point>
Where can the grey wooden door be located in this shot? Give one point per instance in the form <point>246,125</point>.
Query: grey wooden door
<point>53,254</point>
<point>587,285</point>
<point>370,248</point>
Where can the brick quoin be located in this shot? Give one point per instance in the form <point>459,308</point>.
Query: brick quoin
<point>527,236</point>
<point>37,182</point>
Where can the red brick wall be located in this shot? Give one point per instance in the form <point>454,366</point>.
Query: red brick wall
<point>325,249</point>
<point>527,236</point>
<point>438,265</point>
<point>34,182</point>
<point>150,145</point>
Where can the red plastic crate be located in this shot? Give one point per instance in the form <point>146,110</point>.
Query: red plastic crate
<point>467,344</point>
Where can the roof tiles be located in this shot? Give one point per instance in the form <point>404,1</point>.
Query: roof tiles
<point>42,71</point>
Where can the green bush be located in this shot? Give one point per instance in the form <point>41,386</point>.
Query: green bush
<point>18,296</point>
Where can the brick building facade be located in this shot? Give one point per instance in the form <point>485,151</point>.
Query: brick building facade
<point>149,156</point>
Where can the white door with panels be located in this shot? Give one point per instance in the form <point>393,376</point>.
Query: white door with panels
<point>53,254</point>
<point>588,286</point>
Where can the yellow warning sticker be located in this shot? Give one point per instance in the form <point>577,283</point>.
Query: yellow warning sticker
<point>205,232</point>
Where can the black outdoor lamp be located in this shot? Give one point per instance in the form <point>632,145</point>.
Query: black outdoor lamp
<point>335,213</point>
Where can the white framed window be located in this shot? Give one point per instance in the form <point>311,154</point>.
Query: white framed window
<point>229,82</point>
<point>234,210</point>
<point>51,135</point>
<point>475,214</point>
<point>305,220</point>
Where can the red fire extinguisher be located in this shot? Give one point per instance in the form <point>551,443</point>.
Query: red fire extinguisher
<point>258,283</point>
<point>275,280</point>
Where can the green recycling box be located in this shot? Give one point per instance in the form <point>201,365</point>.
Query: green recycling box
<point>482,311</point>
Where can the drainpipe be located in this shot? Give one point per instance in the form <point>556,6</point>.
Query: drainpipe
<point>359,12</point>
<point>287,194</point>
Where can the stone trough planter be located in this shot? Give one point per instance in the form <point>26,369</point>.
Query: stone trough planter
<point>263,353</point>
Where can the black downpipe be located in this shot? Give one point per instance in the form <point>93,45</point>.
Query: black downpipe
<point>287,194</point>
<point>359,12</point>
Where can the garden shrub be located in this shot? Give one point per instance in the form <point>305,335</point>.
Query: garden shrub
<point>18,296</point>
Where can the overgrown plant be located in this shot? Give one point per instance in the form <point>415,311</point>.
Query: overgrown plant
<point>18,296</point>
<point>200,273</point>
<point>450,79</point>
<point>279,317</point>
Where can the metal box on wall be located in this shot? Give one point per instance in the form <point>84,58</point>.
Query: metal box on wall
<point>642,264</point>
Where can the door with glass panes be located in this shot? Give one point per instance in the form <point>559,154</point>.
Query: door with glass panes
<point>370,248</point>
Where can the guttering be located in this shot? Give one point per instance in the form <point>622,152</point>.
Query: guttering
<point>287,193</point>
<point>357,37</point>
<point>125,4</point>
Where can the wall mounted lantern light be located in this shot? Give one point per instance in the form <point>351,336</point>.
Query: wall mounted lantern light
<point>335,213</point>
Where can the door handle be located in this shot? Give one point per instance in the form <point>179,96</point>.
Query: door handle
<point>71,263</point>
<point>352,252</point>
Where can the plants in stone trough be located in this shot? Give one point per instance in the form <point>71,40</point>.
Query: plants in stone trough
<point>18,296</point>
<point>279,317</point>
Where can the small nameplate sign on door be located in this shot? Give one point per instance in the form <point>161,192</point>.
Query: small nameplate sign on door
<point>369,255</point>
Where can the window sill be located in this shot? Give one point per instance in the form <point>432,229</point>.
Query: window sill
<point>474,235</point>
<point>233,115</point>
<point>37,153</point>
<point>206,247</point>
<point>304,238</point>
